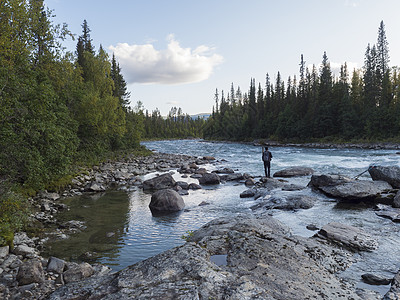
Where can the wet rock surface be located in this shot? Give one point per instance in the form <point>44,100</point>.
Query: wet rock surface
<point>166,201</point>
<point>347,189</point>
<point>348,236</point>
<point>294,171</point>
<point>390,174</point>
<point>262,261</point>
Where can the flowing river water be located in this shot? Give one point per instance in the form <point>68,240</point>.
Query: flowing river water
<point>122,231</point>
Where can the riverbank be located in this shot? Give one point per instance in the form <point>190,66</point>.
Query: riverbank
<point>24,273</point>
<point>173,262</point>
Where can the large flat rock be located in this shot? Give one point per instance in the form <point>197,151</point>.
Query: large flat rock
<point>245,257</point>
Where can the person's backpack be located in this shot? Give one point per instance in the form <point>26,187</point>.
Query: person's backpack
<point>266,156</point>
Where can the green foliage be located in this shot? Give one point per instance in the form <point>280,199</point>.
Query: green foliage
<point>320,107</point>
<point>188,235</point>
<point>14,212</point>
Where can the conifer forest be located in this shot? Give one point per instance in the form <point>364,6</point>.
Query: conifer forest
<point>360,104</point>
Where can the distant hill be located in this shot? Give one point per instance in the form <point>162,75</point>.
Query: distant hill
<point>204,116</point>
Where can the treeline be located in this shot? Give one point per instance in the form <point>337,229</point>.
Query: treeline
<point>317,105</point>
<point>175,125</point>
<point>56,108</point>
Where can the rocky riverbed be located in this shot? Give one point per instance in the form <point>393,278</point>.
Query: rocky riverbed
<point>248,257</point>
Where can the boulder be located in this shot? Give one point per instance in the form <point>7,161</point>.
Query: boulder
<point>224,171</point>
<point>394,292</point>
<point>248,193</point>
<point>183,184</point>
<point>388,212</point>
<point>78,272</point>
<point>24,250</point>
<point>209,178</point>
<point>55,265</point>
<point>231,177</point>
<point>286,202</point>
<point>95,187</point>
<point>389,174</point>
<point>194,186</point>
<point>375,279</point>
<point>259,259</point>
<point>348,236</point>
<point>165,181</point>
<point>250,182</point>
<point>396,200</point>
<point>346,189</point>
<point>166,201</point>
<point>294,172</point>
<point>30,272</point>
<point>4,251</point>
<point>208,157</point>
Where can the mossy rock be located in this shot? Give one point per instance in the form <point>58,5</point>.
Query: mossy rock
<point>7,239</point>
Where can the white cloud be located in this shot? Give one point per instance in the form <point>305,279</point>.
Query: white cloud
<point>174,65</point>
<point>173,102</point>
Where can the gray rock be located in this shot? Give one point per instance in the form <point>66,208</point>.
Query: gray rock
<point>231,177</point>
<point>347,189</point>
<point>389,174</point>
<point>394,292</point>
<point>249,182</point>
<point>248,193</point>
<point>183,184</point>
<point>375,279</point>
<point>95,187</point>
<point>166,201</point>
<point>294,172</point>
<point>388,212</point>
<point>209,179</point>
<point>78,272</point>
<point>204,203</point>
<point>286,202</point>
<point>224,171</point>
<point>55,265</point>
<point>24,250</point>
<point>348,236</point>
<point>30,272</point>
<point>396,200</point>
<point>208,158</point>
<point>165,181</point>
<point>261,261</point>
<point>194,186</point>
<point>4,251</point>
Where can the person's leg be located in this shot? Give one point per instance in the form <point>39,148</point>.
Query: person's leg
<point>269,169</point>
<point>266,168</point>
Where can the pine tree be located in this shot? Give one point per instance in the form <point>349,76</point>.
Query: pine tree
<point>120,89</point>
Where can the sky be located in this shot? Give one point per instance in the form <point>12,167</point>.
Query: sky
<point>178,52</point>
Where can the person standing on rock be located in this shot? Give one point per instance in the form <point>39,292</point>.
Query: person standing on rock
<point>266,157</point>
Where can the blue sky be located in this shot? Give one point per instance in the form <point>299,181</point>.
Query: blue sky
<point>177,52</point>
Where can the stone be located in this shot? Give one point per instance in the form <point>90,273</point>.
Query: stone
<point>30,272</point>
<point>194,186</point>
<point>294,172</point>
<point>347,189</point>
<point>389,174</point>
<point>348,236</point>
<point>394,292</point>
<point>208,158</point>
<point>388,212</point>
<point>95,187</point>
<point>164,181</point>
<point>375,279</point>
<point>286,202</point>
<point>166,201</point>
<point>231,177</point>
<point>224,171</point>
<point>249,182</point>
<point>24,250</point>
<point>183,184</point>
<point>56,265</point>
<point>203,203</point>
<point>78,272</point>
<point>4,251</point>
<point>257,259</point>
<point>209,179</point>
<point>396,200</point>
<point>248,193</point>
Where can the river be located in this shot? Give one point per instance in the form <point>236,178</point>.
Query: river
<point>122,231</point>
